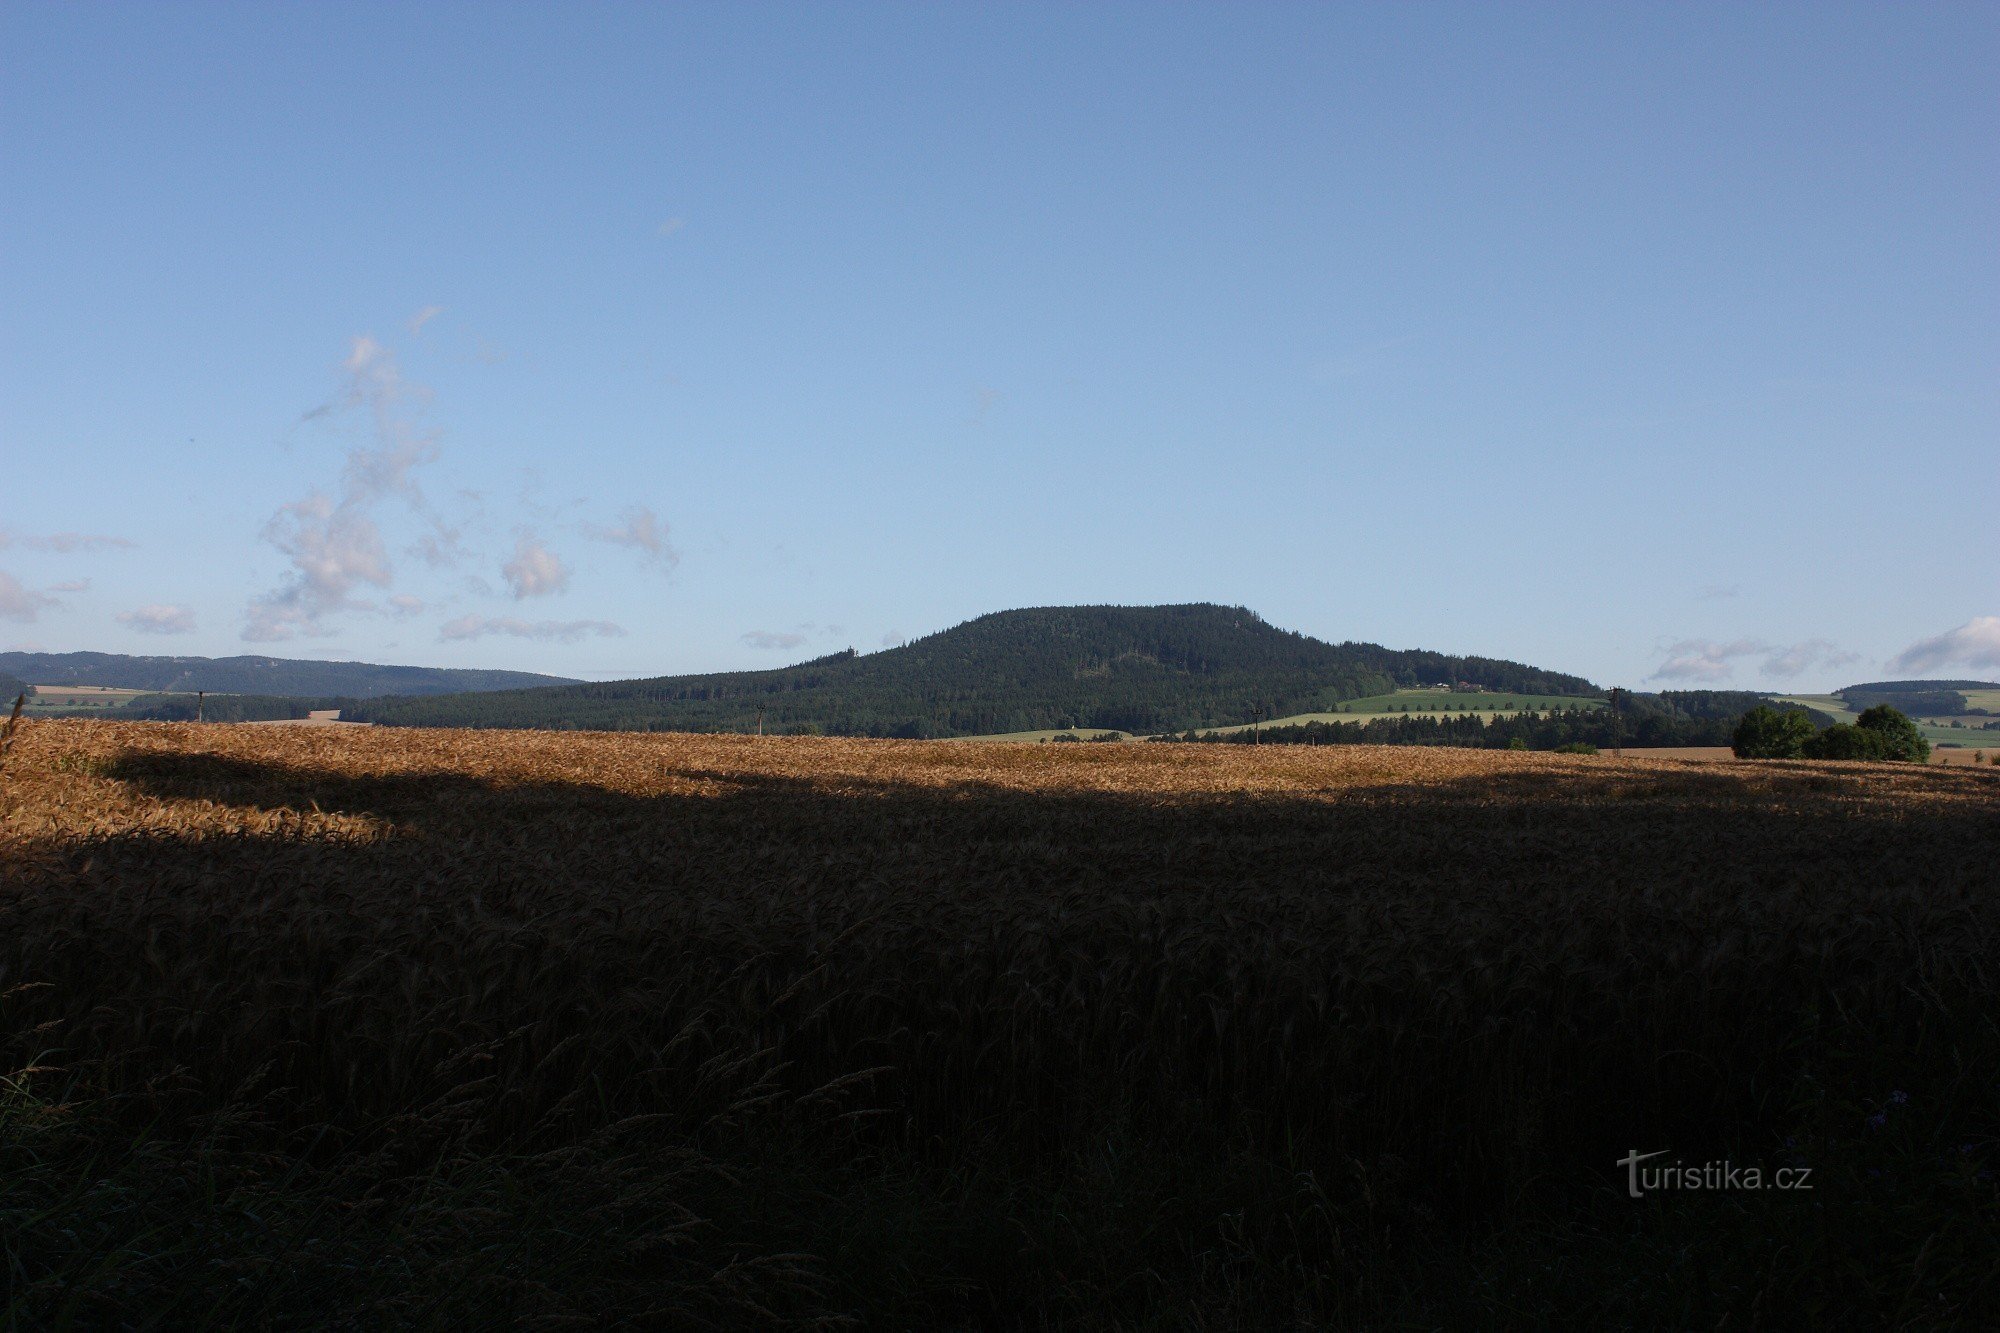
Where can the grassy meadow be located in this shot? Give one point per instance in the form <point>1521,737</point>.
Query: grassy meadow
<point>1936,730</point>
<point>80,698</point>
<point>1433,703</point>
<point>1484,703</point>
<point>394,1027</point>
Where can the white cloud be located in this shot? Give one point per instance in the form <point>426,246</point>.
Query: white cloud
<point>405,605</point>
<point>18,602</point>
<point>1707,660</point>
<point>159,619</point>
<point>71,585</point>
<point>772,641</point>
<point>424,316</point>
<point>334,543</point>
<point>561,631</point>
<point>1976,643</point>
<point>642,530</point>
<point>375,382</point>
<point>535,570</point>
<point>332,547</point>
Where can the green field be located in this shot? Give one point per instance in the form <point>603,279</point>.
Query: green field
<point>1485,704</point>
<point>1971,731</point>
<point>1081,733</point>
<point>80,698</point>
<point>1936,730</point>
<point>1424,703</point>
<point>1831,704</point>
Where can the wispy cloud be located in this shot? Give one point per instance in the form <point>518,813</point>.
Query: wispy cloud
<point>535,570</point>
<point>403,604</point>
<point>333,542</point>
<point>1708,660</point>
<point>1784,663</point>
<point>159,620</point>
<point>772,640</point>
<point>71,585</point>
<point>424,316</point>
<point>559,631</point>
<point>19,602</point>
<point>1705,659</point>
<point>441,548</point>
<point>641,530</point>
<point>672,225</point>
<point>1976,643</point>
<point>64,542</point>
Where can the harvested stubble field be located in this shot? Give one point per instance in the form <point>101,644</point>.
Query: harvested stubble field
<point>391,1027</point>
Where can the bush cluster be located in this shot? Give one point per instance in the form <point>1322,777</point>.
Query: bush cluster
<point>1881,733</point>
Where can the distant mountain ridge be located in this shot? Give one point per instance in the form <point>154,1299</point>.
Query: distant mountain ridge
<point>259,675</point>
<point>1126,668</point>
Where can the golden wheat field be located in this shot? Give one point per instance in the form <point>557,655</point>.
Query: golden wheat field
<point>916,1033</point>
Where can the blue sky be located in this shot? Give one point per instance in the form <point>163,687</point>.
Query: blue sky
<point>1655,343</point>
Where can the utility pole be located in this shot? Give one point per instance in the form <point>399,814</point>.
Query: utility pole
<point>1255,713</point>
<point>760,719</point>
<point>200,697</point>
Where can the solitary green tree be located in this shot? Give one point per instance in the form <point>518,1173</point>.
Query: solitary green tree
<point>1767,733</point>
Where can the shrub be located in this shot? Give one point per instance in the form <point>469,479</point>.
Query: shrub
<point>1577,747</point>
<point>1517,744</point>
<point>1842,741</point>
<point>1900,738</point>
<point>1768,733</point>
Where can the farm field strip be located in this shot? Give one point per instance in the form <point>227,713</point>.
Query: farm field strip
<point>1938,731</point>
<point>824,975</point>
<point>1405,703</point>
<point>1421,703</point>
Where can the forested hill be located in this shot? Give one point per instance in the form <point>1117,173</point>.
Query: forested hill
<point>1129,668</point>
<point>257,675</point>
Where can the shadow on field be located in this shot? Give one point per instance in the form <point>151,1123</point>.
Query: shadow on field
<point>1417,1009</point>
